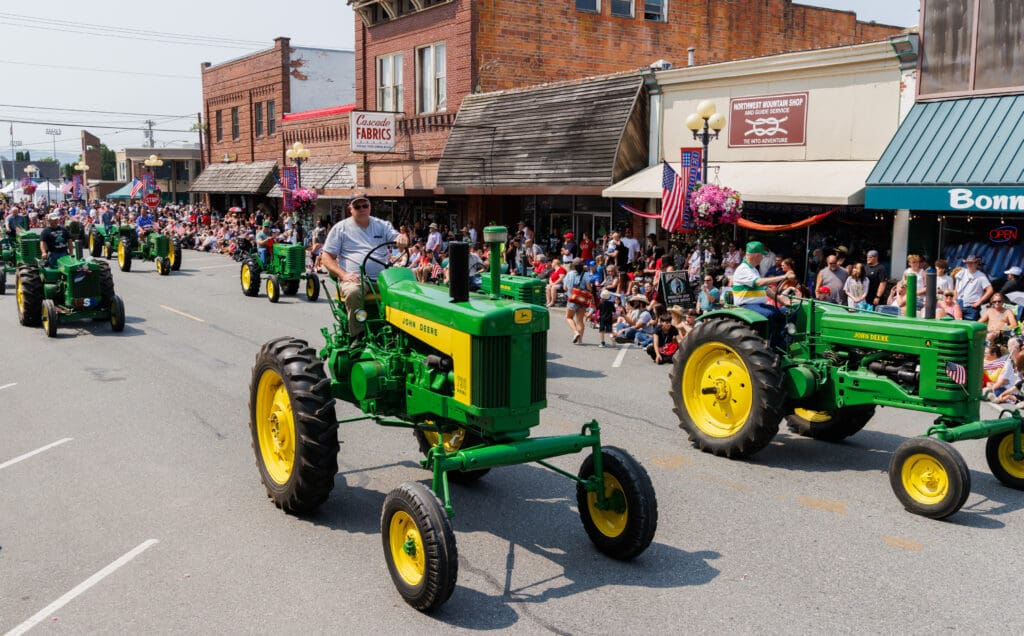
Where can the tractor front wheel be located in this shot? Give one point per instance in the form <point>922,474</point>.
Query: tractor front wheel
<point>3,280</point>
<point>625,526</point>
<point>106,252</point>
<point>929,477</point>
<point>163,266</point>
<point>290,287</point>
<point>250,278</point>
<point>273,288</point>
<point>419,546</point>
<point>293,425</point>
<point>95,243</point>
<point>124,256</point>
<point>312,288</point>
<point>116,314</point>
<point>999,454</point>
<point>453,441</point>
<point>29,294</point>
<point>49,318</point>
<point>830,426</point>
<point>174,255</point>
<point>727,388</point>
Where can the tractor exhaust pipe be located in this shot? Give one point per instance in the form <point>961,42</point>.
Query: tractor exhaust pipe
<point>458,271</point>
<point>930,280</point>
<point>494,236</point>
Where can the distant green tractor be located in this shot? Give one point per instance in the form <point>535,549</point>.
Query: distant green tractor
<point>123,241</point>
<point>8,261</point>
<point>285,272</point>
<point>76,289</point>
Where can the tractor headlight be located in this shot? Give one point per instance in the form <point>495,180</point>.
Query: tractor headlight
<point>360,315</point>
<point>791,329</point>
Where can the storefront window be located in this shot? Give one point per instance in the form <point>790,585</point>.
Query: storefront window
<point>1000,60</point>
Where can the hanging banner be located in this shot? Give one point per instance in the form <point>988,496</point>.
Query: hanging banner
<point>76,187</point>
<point>691,160</point>
<point>289,183</point>
<point>148,181</point>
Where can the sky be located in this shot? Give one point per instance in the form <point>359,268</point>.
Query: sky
<point>119,63</point>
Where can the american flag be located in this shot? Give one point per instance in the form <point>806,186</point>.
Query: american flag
<point>436,271</point>
<point>956,372</point>
<point>65,187</point>
<point>673,196</point>
<point>136,188</point>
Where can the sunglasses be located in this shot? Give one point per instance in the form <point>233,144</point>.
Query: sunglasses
<point>360,206</point>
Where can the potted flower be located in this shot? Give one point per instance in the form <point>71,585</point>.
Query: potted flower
<point>713,205</point>
<point>304,200</point>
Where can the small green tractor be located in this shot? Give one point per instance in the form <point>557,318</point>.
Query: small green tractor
<point>8,259</point>
<point>76,289</point>
<point>123,241</point>
<point>521,288</point>
<point>827,373</point>
<point>466,374</point>
<point>285,272</point>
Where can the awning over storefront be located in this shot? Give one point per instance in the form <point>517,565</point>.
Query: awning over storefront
<point>808,182</point>
<point>564,138</point>
<point>323,177</point>
<point>235,178</point>
<point>956,155</point>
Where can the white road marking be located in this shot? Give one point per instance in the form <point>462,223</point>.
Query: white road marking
<point>14,461</point>
<point>7,386</point>
<point>218,266</point>
<point>79,589</point>
<point>181,313</point>
<point>621,356</point>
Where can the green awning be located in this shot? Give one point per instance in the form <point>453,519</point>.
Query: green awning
<point>959,155</point>
<point>124,192</point>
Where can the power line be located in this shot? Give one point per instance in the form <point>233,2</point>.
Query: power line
<point>99,70</point>
<point>107,28</point>
<point>73,125</point>
<point>86,110</point>
<point>209,42</point>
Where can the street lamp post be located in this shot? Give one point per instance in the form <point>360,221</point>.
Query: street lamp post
<point>54,133</point>
<point>298,153</point>
<point>705,124</point>
<point>153,162</point>
<point>83,167</point>
<point>31,171</point>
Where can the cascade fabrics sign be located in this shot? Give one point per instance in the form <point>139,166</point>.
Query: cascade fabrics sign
<point>372,132</point>
<point>768,120</point>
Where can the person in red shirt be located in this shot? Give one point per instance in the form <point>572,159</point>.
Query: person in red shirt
<point>586,248</point>
<point>555,282</point>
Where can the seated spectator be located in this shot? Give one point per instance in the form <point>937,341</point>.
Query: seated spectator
<point>633,322</point>
<point>1000,320</point>
<point>664,341</point>
<point>992,367</point>
<point>946,305</point>
<point>646,330</point>
<point>709,297</point>
<point>554,282</point>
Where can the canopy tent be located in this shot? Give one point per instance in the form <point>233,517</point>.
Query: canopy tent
<point>124,192</point>
<point>17,193</point>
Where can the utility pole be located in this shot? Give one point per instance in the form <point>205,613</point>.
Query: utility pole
<point>149,133</point>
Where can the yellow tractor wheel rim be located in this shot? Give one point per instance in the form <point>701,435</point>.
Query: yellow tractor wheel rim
<point>813,416</point>
<point>120,254</point>
<point>275,427</point>
<point>406,548</point>
<point>246,277</point>
<point>717,389</point>
<point>170,255</point>
<point>610,523</point>
<point>270,287</point>
<point>452,441</point>
<point>925,479</point>
<point>311,286</point>
<point>19,295</point>
<point>92,242</point>
<point>46,320</point>
<point>1013,467</point>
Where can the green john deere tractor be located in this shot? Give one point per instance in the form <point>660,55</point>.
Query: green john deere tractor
<point>123,240</point>
<point>827,374</point>
<point>8,258</point>
<point>466,373</point>
<point>285,272</point>
<point>76,289</point>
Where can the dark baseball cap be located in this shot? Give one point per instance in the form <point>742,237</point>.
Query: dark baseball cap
<point>359,197</point>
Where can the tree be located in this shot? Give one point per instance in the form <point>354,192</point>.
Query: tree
<point>108,163</point>
<point>23,155</point>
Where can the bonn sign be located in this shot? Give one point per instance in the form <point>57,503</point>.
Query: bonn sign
<point>999,199</point>
<point>372,132</point>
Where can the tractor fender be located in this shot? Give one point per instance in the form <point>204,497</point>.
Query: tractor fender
<point>756,321</point>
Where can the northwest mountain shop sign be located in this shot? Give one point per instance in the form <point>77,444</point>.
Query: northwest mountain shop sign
<point>768,120</point>
<point>372,132</point>
<point>946,199</point>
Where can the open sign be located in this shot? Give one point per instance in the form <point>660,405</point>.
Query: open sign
<point>1003,234</point>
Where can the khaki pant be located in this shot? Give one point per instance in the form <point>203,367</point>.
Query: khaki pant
<point>353,302</point>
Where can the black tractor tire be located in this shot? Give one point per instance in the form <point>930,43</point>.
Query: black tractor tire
<point>273,288</point>
<point>727,388</point>
<point>174,255</point>
<point>30,296</point>
<point>625,532</point>
<point>249,276</point>
<point>3,280</point>
<point>290,287</point>
<point>293,425</point>
<point>106,280</point>
<point>419,546</point>
<point>929,477</point>
<point>312,288</point>
<point>95,244</point>
<point>830,426</point>
<point>124,256</point>
<point>106,252</point>
<point>116,314</point>
<point>999,454</point>
<point>163,266</point>
<point>50,318</point>
<point>453,441</point>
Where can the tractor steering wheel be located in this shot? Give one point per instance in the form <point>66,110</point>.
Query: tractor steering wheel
<point>370,257</point>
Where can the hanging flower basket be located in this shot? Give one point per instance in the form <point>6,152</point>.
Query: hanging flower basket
<point>304,200</point>
<point>29,189</point>
<point>713,205</point>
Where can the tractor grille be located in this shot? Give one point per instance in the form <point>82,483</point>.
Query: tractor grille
<point>492,364</point>
<point>160,243</point>
<point>83,284</point>
<point>950,351</point>
<point>28,249</point>
<point>292,259</point>
<point>539,367</point>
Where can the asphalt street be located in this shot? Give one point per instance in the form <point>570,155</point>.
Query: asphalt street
<point>132,504</point>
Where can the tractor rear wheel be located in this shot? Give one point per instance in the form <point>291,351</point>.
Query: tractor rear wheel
<point>727,388</point>
<point>250,278</point>
<point>174,255</point>
<point>625,528</point>
<point>999,454</point>
<point>312,288</point>
<point>273,288</point>
<point>106,280</point>
<point>830,426</point>
<point>293,425</point>
<point>929,477</point>
<point>124,256</point>
<point>3,280</point>
<point>116,314</point>
<point>95,243</point>
<point>29,293</point>
<point>290,287</point>
<point>50,318</point>
<point>453,441</point>
<point>419,546</point>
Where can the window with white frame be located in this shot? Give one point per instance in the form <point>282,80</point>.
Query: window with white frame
<point>431,89</point>
<point>656,10</point>
<point>389,82</point>
<point>622,8</point>
<point>590,6</point>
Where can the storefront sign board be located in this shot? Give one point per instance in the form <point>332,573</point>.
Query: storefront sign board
<point>372,132</point>
<point>768,120</point>
<point>999,200</point>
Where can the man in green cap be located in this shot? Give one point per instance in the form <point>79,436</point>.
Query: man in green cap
<point>750,290</point>
<point>262,236</point>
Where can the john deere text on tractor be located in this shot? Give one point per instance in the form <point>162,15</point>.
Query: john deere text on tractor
<point>285,271</point>
<point>467,375</point>
<point>833,368</point>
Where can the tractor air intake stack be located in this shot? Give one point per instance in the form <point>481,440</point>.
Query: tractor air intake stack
<point>929,294</point>
<point>458,271</point>
<point>911,308</point>
<point>494,236</point>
